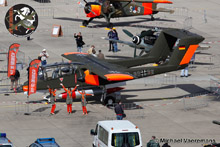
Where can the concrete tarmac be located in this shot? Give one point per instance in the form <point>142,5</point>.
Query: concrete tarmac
<point>164,113</point>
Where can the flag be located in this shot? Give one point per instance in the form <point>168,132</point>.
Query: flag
<point>13,49</point>
<point>182,47</point>
<point>32,76</point>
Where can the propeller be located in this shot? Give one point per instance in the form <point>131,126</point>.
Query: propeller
<point>128,33</point>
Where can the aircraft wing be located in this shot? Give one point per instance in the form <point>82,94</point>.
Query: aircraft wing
<point>139,46</point>
<point>120,41</point>
<point>94,66</point>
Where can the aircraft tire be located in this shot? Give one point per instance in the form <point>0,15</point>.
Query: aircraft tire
<point>85,23</point>
<point>109,100</point>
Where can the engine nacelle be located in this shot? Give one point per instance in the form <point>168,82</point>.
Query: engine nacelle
<point>92,9</point>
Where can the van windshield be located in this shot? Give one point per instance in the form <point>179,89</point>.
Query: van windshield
<point>130,139</point>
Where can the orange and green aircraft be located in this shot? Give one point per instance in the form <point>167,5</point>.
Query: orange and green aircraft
<point>121,8</point>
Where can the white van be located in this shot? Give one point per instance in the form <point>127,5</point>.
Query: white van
<point>116,133</point>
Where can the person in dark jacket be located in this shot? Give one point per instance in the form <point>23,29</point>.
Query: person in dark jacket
<point>153,143</point>
<point>110,36</point>
<point>115,37</point>
<point>14,80</point>
<point>119,111</point>
<point>79,41</point>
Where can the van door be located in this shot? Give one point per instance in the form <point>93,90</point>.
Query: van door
<point>102,137</point>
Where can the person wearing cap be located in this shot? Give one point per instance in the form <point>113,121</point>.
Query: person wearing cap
<point>43,57</point>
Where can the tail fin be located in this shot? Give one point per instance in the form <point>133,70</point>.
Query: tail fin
<point>184,47</point>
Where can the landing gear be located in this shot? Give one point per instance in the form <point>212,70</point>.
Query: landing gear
<point>86,22</point>
<point>152,18</point>
<point>109,100</point>
<point>110,25</point>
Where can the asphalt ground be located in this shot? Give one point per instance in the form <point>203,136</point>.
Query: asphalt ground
<point>163,112</point>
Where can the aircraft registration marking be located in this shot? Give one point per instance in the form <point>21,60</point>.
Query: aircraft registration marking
<point>143,73</point>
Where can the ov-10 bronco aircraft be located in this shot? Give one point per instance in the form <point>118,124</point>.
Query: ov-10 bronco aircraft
<point>121,8</point>
<point>95,75</point>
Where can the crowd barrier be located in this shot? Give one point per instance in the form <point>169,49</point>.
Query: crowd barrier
<point>45,12</point>
<point>132,110</point>
<point>163,79</point>
<point>196,102</point>
<point>215,87</point>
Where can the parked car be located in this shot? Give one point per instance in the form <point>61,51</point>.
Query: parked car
<point>4,141</point>
<point>44,142</point>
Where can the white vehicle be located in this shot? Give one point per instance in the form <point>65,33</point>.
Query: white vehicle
<point>116,133</point>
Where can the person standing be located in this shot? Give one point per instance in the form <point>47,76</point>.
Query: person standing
<point>101,55</point>
<point>115,37</point>
<point>153,143</point>
<point>43,57</point>
<point>119,111</point>
<point>110,36</point>
<point>79,41</point>
<point>91,49</point>
<point>52,92</point>
<point>83,101</point>
<point>184,72</point>
<point>69,99</point>
<point>14,80</point>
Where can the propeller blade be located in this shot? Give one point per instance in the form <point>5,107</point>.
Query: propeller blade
<point>128,33</point>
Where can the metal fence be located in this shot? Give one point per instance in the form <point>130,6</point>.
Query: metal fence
<point>32,108</point>
<point>196,102</point>
<point>47,12</point>
<point>215,87</point>
<point>164,79</point>
<point>4,83</point>
<point>132,110</point>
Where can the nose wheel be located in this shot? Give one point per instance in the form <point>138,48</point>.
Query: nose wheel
<point>85,23</point>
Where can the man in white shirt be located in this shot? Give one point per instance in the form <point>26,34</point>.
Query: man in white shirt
<point>43,57</point>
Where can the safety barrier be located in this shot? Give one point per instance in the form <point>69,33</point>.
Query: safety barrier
<point>47,12</point>
<point>4,83</point>
<point>178,11</point>
<point>215,87</point>
<point>196,102</point>
<point>29,108</point>
<point>132,110</point>
<point>215,60</point>
<point>163,79</point>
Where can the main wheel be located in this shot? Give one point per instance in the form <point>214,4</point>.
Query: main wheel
<point>85,23</point>
<point>109,100</point>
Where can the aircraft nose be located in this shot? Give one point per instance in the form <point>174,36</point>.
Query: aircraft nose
<point>87,8</point>
<point>136,40</point>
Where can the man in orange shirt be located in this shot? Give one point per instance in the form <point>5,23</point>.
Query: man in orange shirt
<point>83,101</point>
<point>69,99</point>
<point>52,92</point>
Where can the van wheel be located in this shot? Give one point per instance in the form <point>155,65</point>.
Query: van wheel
<point>109,100</point>
<point>93,145</point>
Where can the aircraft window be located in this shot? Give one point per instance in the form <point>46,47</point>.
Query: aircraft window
<point>40,73</point>
<point>55,73</point>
